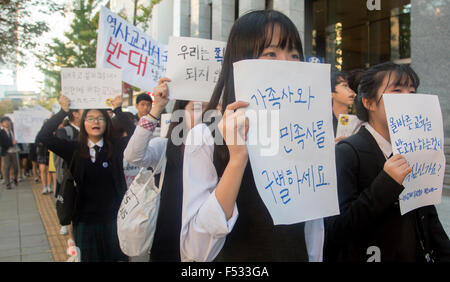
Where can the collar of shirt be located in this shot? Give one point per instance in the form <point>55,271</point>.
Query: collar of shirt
<point>384,145</point>
<point>76,127</point>
<point>92,150</point>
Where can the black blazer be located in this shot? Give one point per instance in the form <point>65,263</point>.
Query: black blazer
<point>370,212</point>
<point>5,142</point>
<point>66,150</point>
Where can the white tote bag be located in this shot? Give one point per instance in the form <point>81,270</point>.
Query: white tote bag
<point>138,212</point>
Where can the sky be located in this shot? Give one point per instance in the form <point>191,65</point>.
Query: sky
<point>30,78</point>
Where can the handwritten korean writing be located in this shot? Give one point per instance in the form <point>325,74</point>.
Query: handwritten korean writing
<point>281,182</point>
<point>275,97</point>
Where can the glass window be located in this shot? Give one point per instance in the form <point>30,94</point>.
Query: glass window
<point>347,35</point>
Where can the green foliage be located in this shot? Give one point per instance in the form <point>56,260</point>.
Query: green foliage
<point>19,31</point>
<point>144,14</point>
<point>77,49</point>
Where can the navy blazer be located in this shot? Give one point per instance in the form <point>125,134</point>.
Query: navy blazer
<point>5,142</point>
<point>67,149</point>
<point>370,212</point>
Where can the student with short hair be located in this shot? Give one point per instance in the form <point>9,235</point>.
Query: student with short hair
<point>370,182</point>
<point>143,105</point>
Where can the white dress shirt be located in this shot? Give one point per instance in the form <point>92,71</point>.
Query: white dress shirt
<point>92,150</point>
<point>143,149</point>
<point>204,226</point>
<point>384,145</point>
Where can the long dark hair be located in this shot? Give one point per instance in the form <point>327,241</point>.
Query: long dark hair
<point>174,153</point>
<point>83,149</point>
<point>372,79</point>
<point>248,38</point>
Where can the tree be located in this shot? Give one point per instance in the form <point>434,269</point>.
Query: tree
<point>19,31</point>
<point>145,14</point>
<point>78,49</point>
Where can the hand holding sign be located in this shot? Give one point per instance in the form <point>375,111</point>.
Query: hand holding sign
<point>397,167</point>
<point>161,97</point>
<point>65,103</point>
<point>234,127</point>
<point>117,101</point>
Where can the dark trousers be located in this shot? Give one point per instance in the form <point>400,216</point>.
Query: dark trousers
<point>9,159</point>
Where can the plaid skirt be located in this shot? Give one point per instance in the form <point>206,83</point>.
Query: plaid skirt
<point>98,242</point>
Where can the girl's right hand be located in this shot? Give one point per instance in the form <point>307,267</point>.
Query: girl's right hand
<point>234,127</point>
<point>397,167</point>
<point>65,103</point>
<point>161,96</point>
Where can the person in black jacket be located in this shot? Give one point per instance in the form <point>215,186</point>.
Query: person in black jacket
<point>370,226</point>
<point>8,150</point>
<point>97,169</point>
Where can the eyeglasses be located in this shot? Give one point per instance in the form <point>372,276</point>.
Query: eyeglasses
<point>99,119</point>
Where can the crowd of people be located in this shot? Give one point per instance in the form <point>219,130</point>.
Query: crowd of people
<point>210,209</point>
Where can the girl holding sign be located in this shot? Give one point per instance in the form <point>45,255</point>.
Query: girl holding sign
<point>145,151</point>
<point>224,218</point>
<point>97,167</point>
<point>370,226</point>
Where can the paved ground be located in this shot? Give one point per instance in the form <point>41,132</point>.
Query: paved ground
<point>29,228</point>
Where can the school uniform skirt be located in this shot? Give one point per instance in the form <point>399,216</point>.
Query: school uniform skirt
<point>98,242</point>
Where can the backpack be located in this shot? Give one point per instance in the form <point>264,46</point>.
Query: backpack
<point>59,162</point>
<point>67,197</point>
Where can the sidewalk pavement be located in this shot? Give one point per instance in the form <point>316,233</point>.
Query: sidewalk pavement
<point>29,227</point>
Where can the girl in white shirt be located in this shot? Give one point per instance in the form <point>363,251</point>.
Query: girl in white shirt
<point>224,219</point>
<point>145,151</point>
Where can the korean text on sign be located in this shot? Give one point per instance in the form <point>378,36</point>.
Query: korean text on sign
<point>416,132</point>
<point>194,66</point>
<point>123,46</point>
<point>90,88</point>
<point>290,101</point>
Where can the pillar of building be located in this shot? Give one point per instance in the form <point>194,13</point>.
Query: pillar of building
<point>201,18</point>
<point>430,57</point>
<point>181,18</point>
<point>295,10</point>
<point>250,5</point>
<point>223,18</point>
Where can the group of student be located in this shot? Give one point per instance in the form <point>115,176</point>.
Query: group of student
<point>210,209</point>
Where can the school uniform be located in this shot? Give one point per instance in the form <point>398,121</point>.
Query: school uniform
<point>145,150</point>
<point>101,185</point>
<point>249,235</point>
<point>9,155</point>
<point>370,213</point>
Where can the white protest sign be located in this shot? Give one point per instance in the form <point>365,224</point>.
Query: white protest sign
<point>417,132</point>
<point>347,125</point>
<point>90,88</point>
<point>193,67</point>
<point>121,45</point>
<point>296,176</point>
<point>27,124</point>
<point>165,122</point>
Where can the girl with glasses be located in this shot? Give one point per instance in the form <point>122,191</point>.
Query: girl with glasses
<point>96,160</point>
